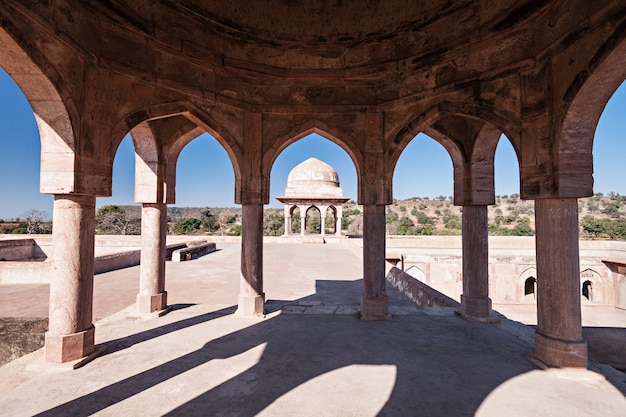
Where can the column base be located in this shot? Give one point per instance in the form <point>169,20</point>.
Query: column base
<point>476,309</point>
<point>69,347</point>
<point>151,303</point>
<point>251,305</point>
<point>376,308</point>
<point>560,353</point>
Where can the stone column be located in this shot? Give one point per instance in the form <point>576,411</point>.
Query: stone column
<point>475,301</point>
<point>71,332</point>
<point>287,225</point>
<point>251,295</point>
<point>338,217</point>
<point>558,338</point>
<point>374,302</point>
<point>302,221</point>
<point>152,295</point>
<point>323,226</point>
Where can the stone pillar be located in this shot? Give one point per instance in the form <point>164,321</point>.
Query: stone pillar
<point>323,226</point>
<point>302,221</point>
<point>475,301</point>
<point>152,295</point>
<point>251,296</point>
<point>558,338</point>
<point>338,217</point>
<point>287,225</point>
<point>71,332</point>
<point>374,302</point>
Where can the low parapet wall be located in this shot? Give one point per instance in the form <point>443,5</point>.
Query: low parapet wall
<point>116,261</point>
<point>20,250</point>
<point>38,270</point>
<point>418,292</point>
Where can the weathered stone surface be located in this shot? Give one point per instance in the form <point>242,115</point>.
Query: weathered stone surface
<point>258,78</point>
<point>19,336</point>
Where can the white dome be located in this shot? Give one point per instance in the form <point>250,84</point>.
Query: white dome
<point>313,178</point>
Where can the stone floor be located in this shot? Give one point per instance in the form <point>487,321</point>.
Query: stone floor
<point>310,356</point>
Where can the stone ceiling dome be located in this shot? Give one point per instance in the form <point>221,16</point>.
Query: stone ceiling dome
<point>313,178</point>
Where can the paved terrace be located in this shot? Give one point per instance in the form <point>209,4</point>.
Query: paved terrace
<point>310,356</point>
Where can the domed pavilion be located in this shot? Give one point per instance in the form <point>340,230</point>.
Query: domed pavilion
<point>313,184</point>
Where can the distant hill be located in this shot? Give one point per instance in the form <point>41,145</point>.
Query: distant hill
<point>600,217</point>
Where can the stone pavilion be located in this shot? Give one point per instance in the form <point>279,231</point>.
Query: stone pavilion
<point>258,78</point>
<point>313,184</point>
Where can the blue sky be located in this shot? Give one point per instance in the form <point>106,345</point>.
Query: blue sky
<point>205,176</point>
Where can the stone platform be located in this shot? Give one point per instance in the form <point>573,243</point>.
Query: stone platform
<point>309,356</point>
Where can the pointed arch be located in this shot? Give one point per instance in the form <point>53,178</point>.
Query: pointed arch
<point>586,99</point>
<point>306,129</point>
<point>163,131</point>
<point>592,286</point>
<point>527,280</point>
<point>56,130</point>
<point>472,157</point>
<point>424,122</point>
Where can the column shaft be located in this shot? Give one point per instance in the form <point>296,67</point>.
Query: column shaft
<point>323,226</point>
<point>251,296</point>
<point>558,339</point>
<point>287,225</point>
<point>152,295</point>
<point>71,331</point>
<point>302,222</point>
<point>475,301</point>
<point>374,302</point>
<point>338,217</point>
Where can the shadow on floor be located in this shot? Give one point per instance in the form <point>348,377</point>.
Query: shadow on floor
<point>443,365</point>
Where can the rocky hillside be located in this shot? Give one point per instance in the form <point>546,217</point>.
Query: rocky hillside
<point>600,216</point>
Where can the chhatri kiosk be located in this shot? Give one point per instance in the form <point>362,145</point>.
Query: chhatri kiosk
<point>313,184</point>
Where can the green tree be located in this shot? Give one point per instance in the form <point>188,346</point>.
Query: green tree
<point>522,228</point>
<point>405,226</point>
<point>313,222</point>
<point>425,230</point>
<point>295,222</point>
<point>345,221</point>
<point>612,209</point>
<point>595,228</point>
<point>451,220</point>
<point>187,226</point>
<point>209,222</point>
<point>391,217</point>
<point>273,222</point>
<point>422,218</point>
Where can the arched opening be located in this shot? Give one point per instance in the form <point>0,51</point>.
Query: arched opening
<point>592,288</point>
<point>205,183</point>
<point>296,219</point>
<point>530,287</point>
<point>331,220</point>
<point>509,216</point>
<point>588,290</point>
<point>325,263</point>
<point>316,146</point>
<point>423,189</point>
<point>118,214</point>
<point>20,161</point>
<point>313,221</point>
<point>314,182</point>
